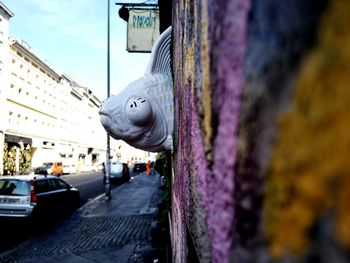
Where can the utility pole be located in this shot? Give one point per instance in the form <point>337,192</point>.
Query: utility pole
<point>108,164</point>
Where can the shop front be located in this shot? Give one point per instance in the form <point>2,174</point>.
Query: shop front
<point>16,154</point>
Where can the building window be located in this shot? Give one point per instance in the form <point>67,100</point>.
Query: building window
<point>10,117</point>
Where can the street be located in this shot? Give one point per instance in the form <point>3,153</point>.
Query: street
<point>90,184</point>
<point>15,231</point>
<point>123,229</point>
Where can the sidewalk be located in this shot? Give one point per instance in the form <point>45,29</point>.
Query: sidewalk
<point>116,230</point>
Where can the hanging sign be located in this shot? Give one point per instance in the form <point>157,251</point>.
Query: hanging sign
<point>143,29</point>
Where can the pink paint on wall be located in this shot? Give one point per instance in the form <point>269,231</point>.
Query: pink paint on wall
<point>230,52</point>
<point>211,180</point>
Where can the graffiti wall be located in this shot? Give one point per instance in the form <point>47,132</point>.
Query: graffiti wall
<point>262,133</point>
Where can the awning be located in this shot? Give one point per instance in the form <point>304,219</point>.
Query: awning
<point>17,139</point>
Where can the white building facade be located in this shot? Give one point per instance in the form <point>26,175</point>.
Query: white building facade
<point>5,15</point>
<point>44,115</point>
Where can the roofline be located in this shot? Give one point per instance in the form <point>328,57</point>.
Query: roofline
<point>76,92</point>
<point>24,49</point>
<point>7,11</point>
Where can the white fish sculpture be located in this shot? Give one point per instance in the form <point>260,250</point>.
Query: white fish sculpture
<point>143,113</point>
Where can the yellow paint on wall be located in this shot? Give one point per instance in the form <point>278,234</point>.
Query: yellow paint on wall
<point>309,174</point>
<point>207,94</point>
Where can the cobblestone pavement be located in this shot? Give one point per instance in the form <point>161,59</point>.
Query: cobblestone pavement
<point>87,238</point>
<point>86,234</point>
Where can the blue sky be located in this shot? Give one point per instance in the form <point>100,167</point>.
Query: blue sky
<point>72,36</point>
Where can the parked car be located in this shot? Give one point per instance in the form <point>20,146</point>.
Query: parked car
<point>139,167</point>
<point>52,168</point>
<point>119,173</point>
<point>36,195</point>
<point>98,167</point>
<point>69,169</point>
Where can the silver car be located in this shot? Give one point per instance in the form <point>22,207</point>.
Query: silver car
<point>119,173</point>
<point>31,195</point>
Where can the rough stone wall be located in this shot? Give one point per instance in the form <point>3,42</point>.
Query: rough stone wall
<point>261,131</point>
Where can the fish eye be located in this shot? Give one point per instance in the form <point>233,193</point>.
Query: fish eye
<point>138,111</point>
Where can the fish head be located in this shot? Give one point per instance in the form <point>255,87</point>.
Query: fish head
<point>126,116</point>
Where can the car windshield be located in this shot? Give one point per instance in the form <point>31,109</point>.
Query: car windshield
<point>14,187</point>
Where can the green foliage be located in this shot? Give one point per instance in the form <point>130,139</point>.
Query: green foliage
<point>9,159</point>
<point>25,159</point>
<point>163,166</point>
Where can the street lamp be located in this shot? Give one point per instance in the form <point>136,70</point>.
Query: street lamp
<point>124,13</point>
<point>108,164</point>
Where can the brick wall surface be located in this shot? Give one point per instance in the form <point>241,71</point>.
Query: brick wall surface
<point>261,130</point>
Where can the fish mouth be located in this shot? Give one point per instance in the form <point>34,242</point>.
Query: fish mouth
<point>110,124</point>
<point>105,121</point>
<point>105,115</point>
<point>102,112</point>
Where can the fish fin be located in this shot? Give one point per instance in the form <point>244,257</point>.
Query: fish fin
<point>160,61</point>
